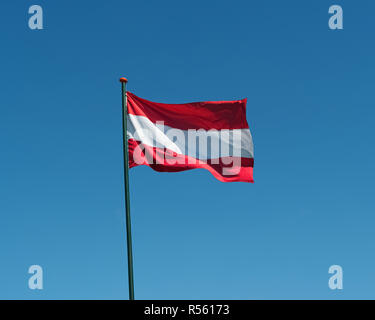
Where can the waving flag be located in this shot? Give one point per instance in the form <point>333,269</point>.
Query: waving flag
<point>177,137</point>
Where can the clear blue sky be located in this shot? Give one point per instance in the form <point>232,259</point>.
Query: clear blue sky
<point>310,108</point>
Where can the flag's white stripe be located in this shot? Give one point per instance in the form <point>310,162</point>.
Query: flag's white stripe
<point>193,143</point>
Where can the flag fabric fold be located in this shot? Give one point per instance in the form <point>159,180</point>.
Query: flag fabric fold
<point>211,135</point>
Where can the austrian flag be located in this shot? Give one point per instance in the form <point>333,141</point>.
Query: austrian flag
<point>177,137</point>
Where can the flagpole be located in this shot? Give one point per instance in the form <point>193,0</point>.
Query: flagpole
<point>126,180</point>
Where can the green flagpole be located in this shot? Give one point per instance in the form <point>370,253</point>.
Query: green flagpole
<point>127,198</point>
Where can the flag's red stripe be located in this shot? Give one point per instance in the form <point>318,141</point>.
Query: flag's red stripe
<point>197,115</point>
<point>158,163</point>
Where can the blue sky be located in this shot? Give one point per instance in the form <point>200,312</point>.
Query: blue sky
<point>310,109</point>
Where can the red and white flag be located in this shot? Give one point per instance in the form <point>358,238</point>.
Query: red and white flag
<point>177,137</point>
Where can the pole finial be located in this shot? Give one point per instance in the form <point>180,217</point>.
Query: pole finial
<point>123,80</point>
